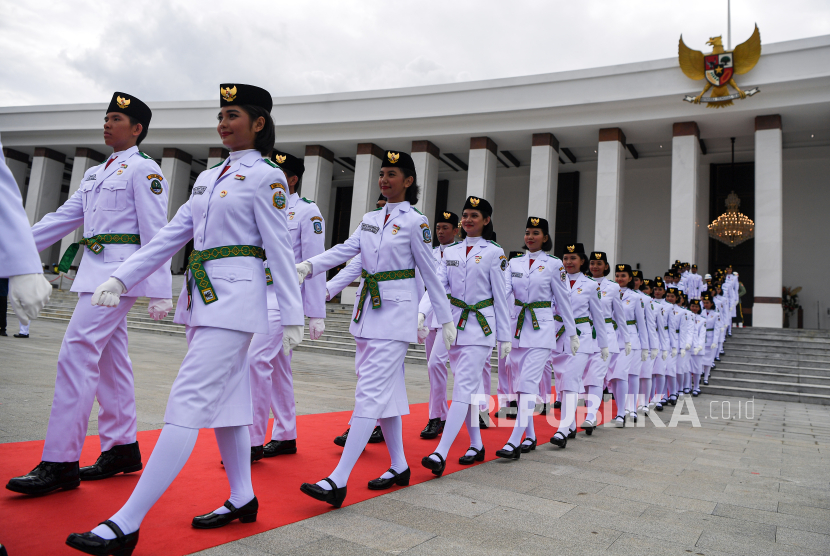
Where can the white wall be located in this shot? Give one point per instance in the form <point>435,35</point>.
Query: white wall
<point>647,215</point>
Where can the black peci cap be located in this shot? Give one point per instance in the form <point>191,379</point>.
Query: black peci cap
<point>536,222</point>
<point>447,217</point>
<point>479,204</point>
<point>623,268</point>
<point>514,254</point>
<point>658,283</point>
<point>599,256</point>
<point>289,162</point>
<point>637,274</point>
<point>237,94</point>
<point>395,159</point>
<point>131,106</point>
<point>577,248</point>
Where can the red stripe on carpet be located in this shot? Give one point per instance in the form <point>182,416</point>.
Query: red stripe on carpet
<point>40,525</point>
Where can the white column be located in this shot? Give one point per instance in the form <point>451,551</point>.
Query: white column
<point>481,171</point>
<point>215,156</point>
<point>544,179</point>
<point>610,187</point>
<point>365,192</point>
<point>43,195</point>
<point>84,160</point>
<point>175,167</point>
<point>319,166</point>
<point>18,163</point>
<point>769,236</point>
<point>425,156</point>
<point>685,162</point>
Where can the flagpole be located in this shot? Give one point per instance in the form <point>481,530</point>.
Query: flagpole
<point>728,24</point>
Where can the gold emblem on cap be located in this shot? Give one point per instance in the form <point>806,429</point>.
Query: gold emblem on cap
<point>474,201</point>
<point>392,157</point>
<point>534,221</point>
<point>620,267</point>
<point>280,158</point>
<point>447,215</point>
<point>598,256</point>
<point>570,248</point>
<point>122,102</point>
<point>228,93</point>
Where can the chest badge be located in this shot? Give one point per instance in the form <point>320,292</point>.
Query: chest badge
<point>223,193</point>
<point>578,290</point>
<point>239,177</point>
<point>291,215</point>
<point>123,165</point>
<point>119,172</point>
<point>541,268</point>
<point>478,259</point>
<point>395,229</point>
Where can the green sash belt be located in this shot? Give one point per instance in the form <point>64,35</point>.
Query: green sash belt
<point>665,328</point>
<point>528,306</point>
<point>609,320</point>
<point>710,330</point>
<point>582,320</point>
<point>269,280</point>
<point>96,245</point>
<point>370,286</point>
<point>465,313</point>
<point>630,322</point>
<point>561,331</point>
<point>196,265</point>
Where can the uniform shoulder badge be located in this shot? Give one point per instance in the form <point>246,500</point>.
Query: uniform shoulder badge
<point>306,200</point>
<point>217,165</point>
<point>155,184</point>
<point>494,243</point>
<point>269,162</point>
<point>426,232</point>
<point>279,199</point>
<point>317,224</point>
<point>145,155</point>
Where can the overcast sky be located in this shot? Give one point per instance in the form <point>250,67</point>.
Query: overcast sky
<point>83,50</point>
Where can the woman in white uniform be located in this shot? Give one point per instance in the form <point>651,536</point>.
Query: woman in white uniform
<point>687,330</point>
<point>713,322</point>
<point>635,320</point>
<point>235,214</point>
<point>596,372</point>
<point>537,281</point>
<point>658,291</point>
<point>392,242</point>
<point>698,341</point>
<point>676,317</point>
<point>472,275</point>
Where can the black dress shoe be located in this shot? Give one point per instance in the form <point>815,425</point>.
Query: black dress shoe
<point>716,358</point>
<point>559,439</point>
<point>335,496</point>
<point>245,514</point>
<point>557,405</point>
<point>437,467</point>
<point>46,477</point>
<point>256,454</point>
<point>545,409</point>
<point>469,460</point>
<point>434,427</point>
<point>513,414</point>
<point>90,543</point>
<point>125,458</point>
<point>481,423</point>
<point>3,333</point>
<point>399,479</point>
<point>659,406</point>
<point>706,383</point>
<point>341,440</point>
<point>377,436</point>
<point>515,453</point>
<point>26,336</point>
<point>528,447</point>
<point>572,434</point>
<point>279,448</point>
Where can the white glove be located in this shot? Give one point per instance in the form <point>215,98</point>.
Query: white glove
<point>682,352</point>
<point>574,344</point>
<point>292,335</point>
<point>714,345</point>
<point>504,349</point>
<point>643,354</point>
<point>654,352</point>
<point>303,270</point>
<point>109,293</point>
<point>449,332</point>
<point>603,353</point>
<point>158,308</point>
<point>421,318</point>
<point>316,327</point>
<point>628,348</point>
<point>423,331</point>
<point>665,354</point>
<point>688,347</point>
<point>674,352</point>
<point>29,293</point>
<point>328,295</point>
<point>696,350</point>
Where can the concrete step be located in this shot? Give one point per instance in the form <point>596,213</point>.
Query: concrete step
<point>788,355</point>
<point>763,383</point>
<point>772,367</point>
<point>732,372</point>
<point>749,392</point>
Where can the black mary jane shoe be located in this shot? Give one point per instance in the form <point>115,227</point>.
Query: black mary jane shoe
<point>125,458</point>
<point>377,436</point>
<point>335,496</point>
<point>437,467</point>
<point>588,427</point>
<point>513,414</point>
<point>695,393</point>
<point>716,359</point>
<point>557,405</point>
<point>515,453</point>
<point>528,447</point>
<point>659,406</point>
<point>399,479</point>
<point>559,439</point>
<point>469,460</point>
<point>279,448</point>
<point>545,409</point>
<point>572,434</point>
<point>673,400</point>
<point>90,543</point>
<point>482,424</point>
<point>706,383</point>
<point>245,514</point>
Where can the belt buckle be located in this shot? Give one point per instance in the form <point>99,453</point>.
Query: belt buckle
<point>96,247</point>
<point>375,301</point>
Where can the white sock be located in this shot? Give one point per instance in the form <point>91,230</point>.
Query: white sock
<point>592,401</point>
<point>567,414</point>
<point>659,387</point>
<point>235,447</point>
<point>619,388</point>
<point>357,440</point>
<point>696,382</point>
<point>633,390</point>
<point>392,428</point>
<point>645,389</point>
<point>527,402</point>
<point>174,446</point>
<point>474,431</point>
<point>455,419</point>
<point>706,372</point>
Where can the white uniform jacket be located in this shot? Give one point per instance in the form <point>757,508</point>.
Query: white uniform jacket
<point>635,319</point>
<point>661,309</point>
<point>308,239</point>
<point>651,322</point>
<point>473,278</point>
<point>544,280</point>
<point>245,206</point>
<point>687,328</point>
<point>18,254</point>
<point>613,310</point>
<point>712,325</point>
<point>585,298</point>
<point>128,197</point>
<point>699,331</point>
<point>438,254</point>
<point>676,317</point>
<point>342,279</point>
<point>401,243</point>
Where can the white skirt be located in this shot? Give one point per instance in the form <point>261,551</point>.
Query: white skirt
<point>380,391</point>
<point>620,365</point>
<point>466,363</point>
<point>528,365</point>
<point>567,371</point>
<point>596,370</point>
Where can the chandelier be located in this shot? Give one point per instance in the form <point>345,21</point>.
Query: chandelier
<point>732,227</point>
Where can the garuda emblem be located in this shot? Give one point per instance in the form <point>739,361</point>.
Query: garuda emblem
<point>719,67</point>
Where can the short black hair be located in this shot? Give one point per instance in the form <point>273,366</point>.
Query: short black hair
<point>290,174</point>
<point>267,136</point>
<point>413,190</point>
<point>144,129</point>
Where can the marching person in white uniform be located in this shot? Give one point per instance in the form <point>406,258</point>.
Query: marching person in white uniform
<point>698,341</point>
<point>651,347</point>
<point>236,213</point>
<point>687,331</point>
<point>633,309</point>
<point>710,345</point>
<point>272,383</point>
<point>676,319</point>
<point>121,204</point>
<point>392,242</point>
<point>658,389</point>
<point>471,274</point>
<point>537,281</point>
<point>591,337</point>
<point>596,371</point>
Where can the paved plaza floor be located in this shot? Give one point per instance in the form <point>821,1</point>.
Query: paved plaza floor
<point>756,483</point>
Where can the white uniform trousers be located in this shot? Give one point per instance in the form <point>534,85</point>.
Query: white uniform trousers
<point>568,369</point>
<point>547,379</point>
<point>213,387</point>
<point>272,384</point>
<point>529,365</point>
<point>380,391</point>
<point>596,370</point>
<point>93,362</point>
<point>437,357</point>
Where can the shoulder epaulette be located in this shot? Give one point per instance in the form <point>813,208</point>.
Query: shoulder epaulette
<point>451,244</point>
<point>145,155</point>
<point>271,163</point>
<point>307,200</point>
<point>216,165</point>
<point>554,257</point>
<point>418,211</point>
<point>375,210</point>
<point>589,278</point>
<point>494,243</point>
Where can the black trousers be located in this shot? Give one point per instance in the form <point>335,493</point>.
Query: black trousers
<point>3,304</point>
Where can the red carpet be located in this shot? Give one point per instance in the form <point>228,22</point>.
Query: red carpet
<point>34,526</point>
